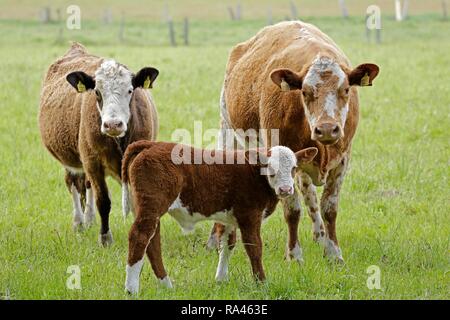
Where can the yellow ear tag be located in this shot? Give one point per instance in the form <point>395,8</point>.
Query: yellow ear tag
<point>365,81</point>
<point>147,83</point>
<point>81,87</point>
<point>284,86</point>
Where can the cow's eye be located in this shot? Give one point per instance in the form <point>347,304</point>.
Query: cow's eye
<point>347,90</point>
<point>99,95</point>
<point>130,91</point>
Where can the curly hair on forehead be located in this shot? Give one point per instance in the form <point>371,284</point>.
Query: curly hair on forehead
<point>112,74</point>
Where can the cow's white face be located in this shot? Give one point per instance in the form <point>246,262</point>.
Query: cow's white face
<point>114,85</point>
<point>113,88</point>
<point>325,92</point>
<point>282,165</point>
<point>325,89</point>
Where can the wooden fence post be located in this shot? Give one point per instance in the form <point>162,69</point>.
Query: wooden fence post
<point>269,16</point>
<point>231,12</point>
<point>294,12</point>
<point>398,10</point>
<point>405,9</point>
<point>107,16</point>
<point>173,43</point>
<point>186,31</point>
<point>444,9</point>
<point>122,28</point>
<point>238,11</point>
<point>45,15</point>
<point>343,8</point>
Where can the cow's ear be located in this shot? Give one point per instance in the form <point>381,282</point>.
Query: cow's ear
<point>306,155</point>
<point>144,78</point>
<point>286,79</point>
<point>363,75</point>
<point>81,81</point>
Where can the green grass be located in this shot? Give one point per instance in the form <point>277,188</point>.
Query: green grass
<point>394,210</point>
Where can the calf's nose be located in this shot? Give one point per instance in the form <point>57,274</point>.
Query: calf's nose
<point>285,190</point>
<point>327,133</point>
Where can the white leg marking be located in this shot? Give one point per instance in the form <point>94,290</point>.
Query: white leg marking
<point>89,210</point>
<point>165,282</point>
<point>212,242</point>
<point>224,255</point>
<point>106,239</point>
<point>78,219</point>
<point>133,275</point>
<point>296,253</point>
<point>125,200</point>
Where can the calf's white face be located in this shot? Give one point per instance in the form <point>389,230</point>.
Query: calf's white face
<point>282,165</point>
<point>114,85</point>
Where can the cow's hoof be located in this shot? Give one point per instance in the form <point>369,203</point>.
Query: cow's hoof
<point>319,237</point>
<point>166,282</point>
<point>295,254</point>
<point>212,243</point>
<point>89,218</point>
<point>106,239</point>
<point>78,226</point>
<point>333,252</point>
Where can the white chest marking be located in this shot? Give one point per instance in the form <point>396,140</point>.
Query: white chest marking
<point>187,221</point>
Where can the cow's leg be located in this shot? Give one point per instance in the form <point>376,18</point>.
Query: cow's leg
<point>310,197</point>
<point>96,176</point>
<point>89,209</point>
<point>292,213</point>
<point>227,236</point>
<point>251,237</point>
<point>142,231</point>
<point>329,207</point>
<point>72,185</point>
<point>155,257</point>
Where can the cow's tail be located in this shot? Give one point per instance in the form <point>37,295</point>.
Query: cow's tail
<point>130,154</point>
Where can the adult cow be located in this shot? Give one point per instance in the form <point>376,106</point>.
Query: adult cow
<point>91,109</point>
<point>294,78</point>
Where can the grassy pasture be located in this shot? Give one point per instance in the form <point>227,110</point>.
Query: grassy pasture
<point>394,210</point>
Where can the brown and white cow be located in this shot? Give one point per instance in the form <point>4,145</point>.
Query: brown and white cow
<point>293,77</point>
<point>90,110</point>
<point>238,195</point>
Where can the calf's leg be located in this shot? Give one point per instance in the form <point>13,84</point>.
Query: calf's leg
<point>155,257</point>
<point>251,237</point>
<point>292,213</point>
<point>227,240</point>
<point>142,231</point>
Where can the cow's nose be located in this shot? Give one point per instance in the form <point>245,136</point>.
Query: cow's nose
<point>327,133</point>
<point>285,190</point>
<point>113,127</point>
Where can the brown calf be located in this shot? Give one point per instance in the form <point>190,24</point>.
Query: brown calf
<point>236,195</point>
<point>293,77</point>
<point>90,110</point>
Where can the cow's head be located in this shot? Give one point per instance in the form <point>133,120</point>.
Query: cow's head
<point>325,89</point>
<point>280,164</point>
<point>113,85</point>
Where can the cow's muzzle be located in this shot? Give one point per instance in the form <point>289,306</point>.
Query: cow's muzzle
<point>327,133</point>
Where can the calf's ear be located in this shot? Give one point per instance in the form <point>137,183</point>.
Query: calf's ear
<point>363,75</point>
<point>306,155</point>
<point>81,81</point>
<point>286,79</point>
<point>145,78</point>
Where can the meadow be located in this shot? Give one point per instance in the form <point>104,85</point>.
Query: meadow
<point>394,209</point>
